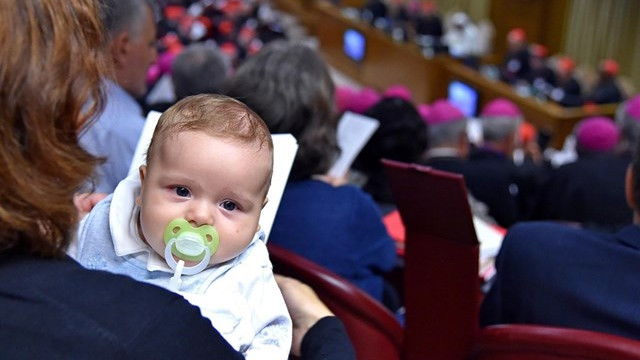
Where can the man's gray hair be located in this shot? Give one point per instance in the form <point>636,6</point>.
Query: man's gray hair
<point>444,134</point>
<point>199,68</point>
<point>498,128</point>
<point>126,15</point>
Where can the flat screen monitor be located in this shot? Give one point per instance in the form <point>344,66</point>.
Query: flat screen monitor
<point>464,97</point>
<point>354,44</point>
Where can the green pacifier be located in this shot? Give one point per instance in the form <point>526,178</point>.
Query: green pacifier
<point>188,243</point>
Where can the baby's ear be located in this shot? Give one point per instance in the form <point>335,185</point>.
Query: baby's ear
<point>143,172</point>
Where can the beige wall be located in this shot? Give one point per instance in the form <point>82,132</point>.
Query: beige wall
<point>605,28</point>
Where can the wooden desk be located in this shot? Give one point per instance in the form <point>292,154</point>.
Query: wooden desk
<point>387,62</point>
<point>547,116</point>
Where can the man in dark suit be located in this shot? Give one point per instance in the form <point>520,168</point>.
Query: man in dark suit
<point>490,173</point>
<point>554,274</point>
<point>590,190</point>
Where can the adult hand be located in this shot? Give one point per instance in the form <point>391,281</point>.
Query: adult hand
<point>84,202</point>
<point>304,307</point>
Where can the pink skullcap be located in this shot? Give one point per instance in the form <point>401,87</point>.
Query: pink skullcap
<point>344,97</point>
<point>597,133</point>
<point>633,107</point>
<point>366,98</point>
<point>423,110</point>
<point>399,91</point>
<point>441,111</point>
<point>500,107</point>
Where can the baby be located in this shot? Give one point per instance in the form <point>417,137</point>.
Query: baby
<point>193,210</point>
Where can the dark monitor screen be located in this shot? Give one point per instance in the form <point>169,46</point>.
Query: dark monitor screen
<point>354,44</point>
<point>464,97</point>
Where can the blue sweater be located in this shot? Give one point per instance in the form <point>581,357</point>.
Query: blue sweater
<point>339,228</point>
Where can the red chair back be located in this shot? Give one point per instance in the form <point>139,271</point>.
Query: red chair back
<point>441,285</point>
<point>373,330</point>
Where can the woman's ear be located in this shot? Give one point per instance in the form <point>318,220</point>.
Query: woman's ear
<point>143,172</point>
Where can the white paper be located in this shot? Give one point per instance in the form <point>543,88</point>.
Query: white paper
<point>489,237</point>
<point>140,156</point>
<point>285,147</point>
<point>354,130</point>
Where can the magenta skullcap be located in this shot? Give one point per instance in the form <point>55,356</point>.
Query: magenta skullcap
<point>500,107</point>
<point>399,91</point>
<point>365,99</point>
<point>597,133</point>
<point>345,96</point>
<point>633,107</point>
<point>442,111</point>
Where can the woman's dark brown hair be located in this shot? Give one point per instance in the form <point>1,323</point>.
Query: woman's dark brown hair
<point>51,63</point>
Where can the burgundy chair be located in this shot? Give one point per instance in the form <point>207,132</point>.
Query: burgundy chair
<point>529,342</point>
<point>373,330</point>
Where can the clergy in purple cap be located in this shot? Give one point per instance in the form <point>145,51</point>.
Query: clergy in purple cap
<point>596,134</point>
<point>447,130</point>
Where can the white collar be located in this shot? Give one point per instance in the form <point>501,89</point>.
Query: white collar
<point>123,217</point>
<point>442,152</point>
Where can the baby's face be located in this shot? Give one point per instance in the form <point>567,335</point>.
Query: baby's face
<point>207,181</point>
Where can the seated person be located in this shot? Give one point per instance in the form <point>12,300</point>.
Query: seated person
<point>606,90</point>
<point>590,191</point>
<point>568,91</point>
<point>559,275</point>
<point>428,24</point>
<point>335,225</point>
<point>194,210</point>
<point>449,145</point>
<point>448,140</point>
<point>515,64</point>
<point>490,173</point>
<point>541,78</point>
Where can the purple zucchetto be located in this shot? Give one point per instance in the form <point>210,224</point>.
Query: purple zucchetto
<point>500,107</point>
<point>597,134</point>
<point>399,91</point>
<point>365,99</point>
<point>442,111</point>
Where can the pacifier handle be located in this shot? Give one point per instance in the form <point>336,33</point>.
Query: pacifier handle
<point>187,270</point>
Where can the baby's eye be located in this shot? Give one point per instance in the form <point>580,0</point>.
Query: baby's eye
<point>182,191</point>
<point>229,205</point>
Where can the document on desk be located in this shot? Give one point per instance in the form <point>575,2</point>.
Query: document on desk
<point>285,147</point>
<point>354,130</point>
